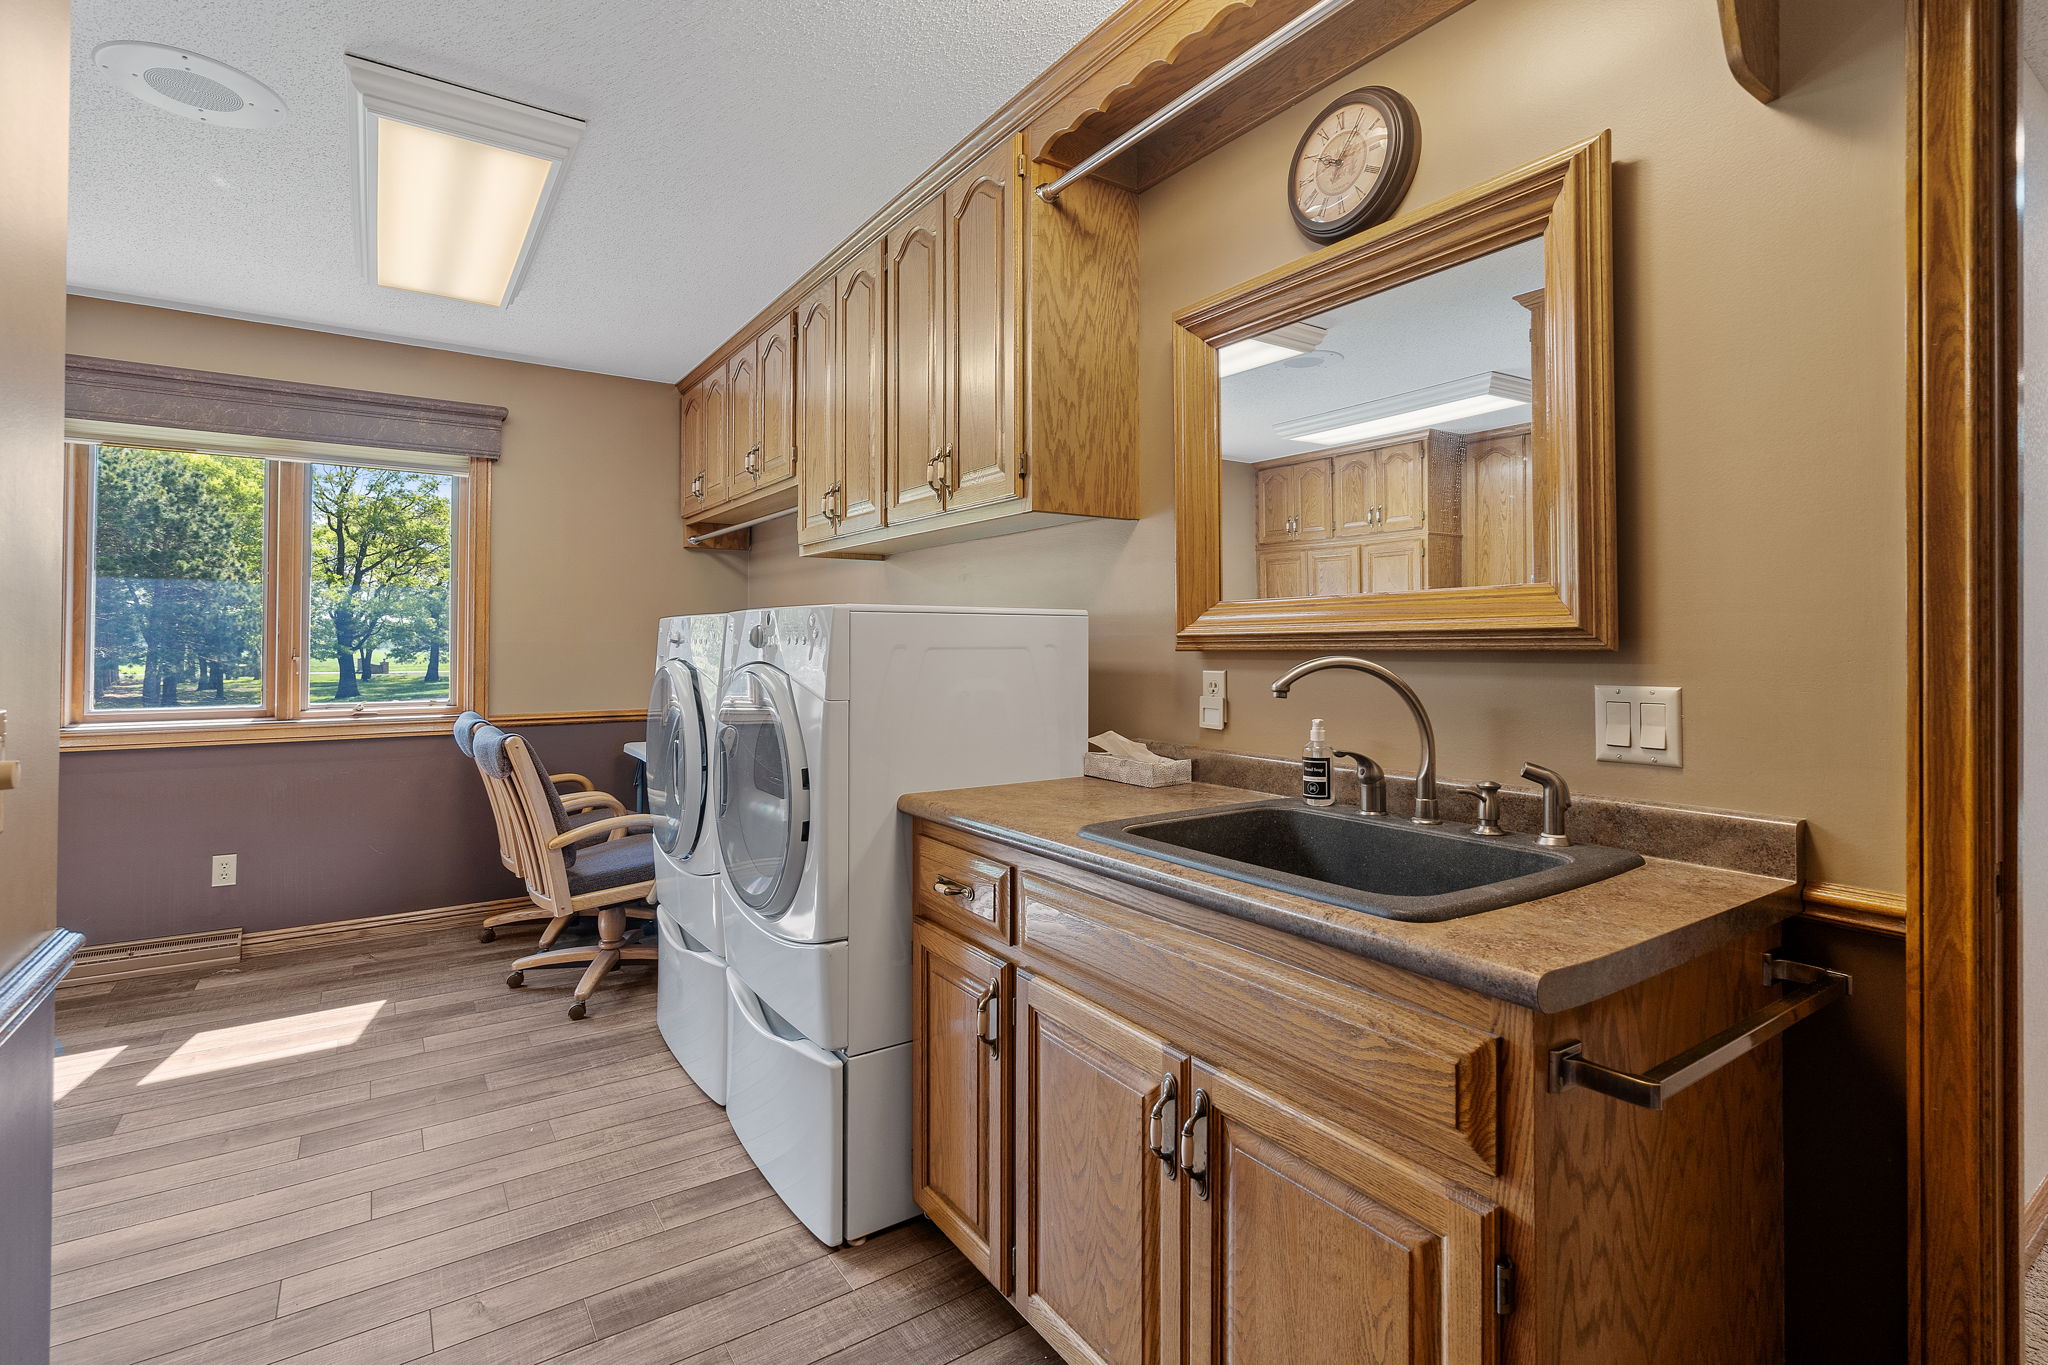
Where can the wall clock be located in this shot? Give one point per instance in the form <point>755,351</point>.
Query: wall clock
<point>1353,164</point>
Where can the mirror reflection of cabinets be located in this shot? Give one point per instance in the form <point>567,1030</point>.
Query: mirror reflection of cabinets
<point>1406,439</point>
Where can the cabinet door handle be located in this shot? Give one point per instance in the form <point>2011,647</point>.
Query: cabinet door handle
<point>697,486</point>
<point>1194,1145</point>
<point>1160,1124</point>
<point>946,886</point>
<point>985,1016</point>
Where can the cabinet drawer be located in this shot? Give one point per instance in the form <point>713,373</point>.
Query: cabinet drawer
<point>957,887</point>
<point>1390,1069</point>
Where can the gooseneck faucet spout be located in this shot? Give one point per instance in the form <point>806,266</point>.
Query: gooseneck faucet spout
<point>1425,775</point>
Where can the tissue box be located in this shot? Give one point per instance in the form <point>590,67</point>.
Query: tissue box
<point>1139,772</point>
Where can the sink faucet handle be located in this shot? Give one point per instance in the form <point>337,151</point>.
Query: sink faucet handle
<point>1557,799</point>
<point>1372,782</point>
<point>1489,808</point>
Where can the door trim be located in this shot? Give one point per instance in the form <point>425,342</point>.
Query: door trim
<point>1962,808</point>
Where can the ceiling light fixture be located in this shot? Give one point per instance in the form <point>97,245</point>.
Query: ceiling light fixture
<point>1296,338</point>
<point>189,85</point>
<point>1471,396</point>
<point>452,185</point>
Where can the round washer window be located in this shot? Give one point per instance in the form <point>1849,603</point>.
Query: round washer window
<point>677,761</point>
<point>764,810</point>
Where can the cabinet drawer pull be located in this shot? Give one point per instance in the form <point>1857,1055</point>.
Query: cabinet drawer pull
<point>1194,1145</point>
<point>697,486</point>
<point>946,886</point>
<point>987,1025</point>
<point>1161,1123</point>
<point>1818,988</point>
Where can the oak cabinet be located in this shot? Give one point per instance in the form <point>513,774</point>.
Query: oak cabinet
<point>981,378</point>
<point>1283,573</point>
<point>1379,517</point>
<point>1294,502</point>
<point>1098,1209</point>
<point>961,1161</point>
<point>1393,565</point>
<point>740,433</point>
<point>705,436</point>
<point>1190,1138</point>
<point>1500,543</point>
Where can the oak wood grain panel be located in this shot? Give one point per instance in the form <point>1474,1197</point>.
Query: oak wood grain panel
<point>984,325</point>
<point>1345,1051</point>
<point>960,1103</point>
<point>775,459</point>
<point>914,321</point>
<point>987,906</point>
<point>818,450</point>
<point>1312,1249</point>
<point>1098,1222</point>
<point>862,422</point>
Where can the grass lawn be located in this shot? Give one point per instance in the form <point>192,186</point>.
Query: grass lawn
<point>397,685</point>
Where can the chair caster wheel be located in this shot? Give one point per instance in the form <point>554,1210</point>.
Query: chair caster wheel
<point>516,979</point>
<point>577,1010</point>
<point>487,936</point>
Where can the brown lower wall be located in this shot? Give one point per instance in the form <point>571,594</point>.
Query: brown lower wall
<point>327,830</point>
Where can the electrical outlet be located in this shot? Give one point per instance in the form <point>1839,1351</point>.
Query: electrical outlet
<point>224,869</point>
<point>1210,712</point>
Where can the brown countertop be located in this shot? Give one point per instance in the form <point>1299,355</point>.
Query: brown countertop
<point>1549,955</point>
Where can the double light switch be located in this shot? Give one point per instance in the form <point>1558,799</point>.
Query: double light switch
<point>1636,725</point>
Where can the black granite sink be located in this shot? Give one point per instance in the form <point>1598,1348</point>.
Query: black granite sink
<point>1383,866</point>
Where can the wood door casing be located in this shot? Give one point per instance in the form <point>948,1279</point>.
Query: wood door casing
<point>1311,1249</point>
<point>863,391</point>
<point>1098,1221</point>
<point>916,372</point>
<point>818,447</point>
<point>775,366</point>
<point>959,1100</point>
<point>984,295</point>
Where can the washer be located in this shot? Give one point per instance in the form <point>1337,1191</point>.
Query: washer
<point>681,796</point>
<point>826,716</point>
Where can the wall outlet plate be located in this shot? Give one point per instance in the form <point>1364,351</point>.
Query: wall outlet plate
<point>224,869</point>
<point>1212,710</point>
<point>1637,725</point>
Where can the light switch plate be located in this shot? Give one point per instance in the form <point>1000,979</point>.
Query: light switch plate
<point>1646,741</point>
<point>1211,712</point>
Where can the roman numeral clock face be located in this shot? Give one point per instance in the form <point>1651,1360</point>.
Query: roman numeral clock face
<point>1353,164</point>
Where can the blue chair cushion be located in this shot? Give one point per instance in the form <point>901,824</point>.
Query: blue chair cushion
<point>611,863</point>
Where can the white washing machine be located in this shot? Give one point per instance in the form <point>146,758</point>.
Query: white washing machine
<point>681,729</point>
<point>826,716</point>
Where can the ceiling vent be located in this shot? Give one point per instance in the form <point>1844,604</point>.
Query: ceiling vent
<point>188,84</point>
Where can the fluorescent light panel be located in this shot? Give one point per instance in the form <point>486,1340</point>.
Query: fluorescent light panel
<point>1411,411</point>
<point>1282,343</point>
<point>453,184</point>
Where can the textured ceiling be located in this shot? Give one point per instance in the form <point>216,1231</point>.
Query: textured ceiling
<point>730,146</point>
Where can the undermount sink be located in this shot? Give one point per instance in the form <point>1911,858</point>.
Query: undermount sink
<point>1383,866</point>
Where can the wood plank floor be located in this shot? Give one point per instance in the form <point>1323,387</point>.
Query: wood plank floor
<point>375,1152</point>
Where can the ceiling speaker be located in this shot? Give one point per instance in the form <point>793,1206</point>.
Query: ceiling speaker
<point>190,85</point>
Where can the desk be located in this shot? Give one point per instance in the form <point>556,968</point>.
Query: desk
<point>637,751</point>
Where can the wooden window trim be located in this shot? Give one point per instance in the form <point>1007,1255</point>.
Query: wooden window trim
<point>283,717</point>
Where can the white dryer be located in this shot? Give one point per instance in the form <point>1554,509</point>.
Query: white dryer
<point>681,795</point>
<point>826,716</point>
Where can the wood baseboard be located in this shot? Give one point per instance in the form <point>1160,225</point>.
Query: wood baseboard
<point>1855,907</point>
<point>262,942</point>
<point>152,956</point>
<point>2034,1227</point>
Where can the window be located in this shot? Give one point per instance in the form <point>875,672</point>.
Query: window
<point>222,594</point>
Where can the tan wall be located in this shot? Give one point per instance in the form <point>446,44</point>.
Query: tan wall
<point>587,549</point>
<point>1761,386</point>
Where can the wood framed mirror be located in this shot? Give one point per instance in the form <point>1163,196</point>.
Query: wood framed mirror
<point>1406,440</point>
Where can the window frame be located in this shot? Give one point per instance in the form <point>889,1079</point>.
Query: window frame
<point>287,712</point>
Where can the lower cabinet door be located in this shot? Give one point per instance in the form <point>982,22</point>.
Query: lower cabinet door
<point>1304,1247</point>
<point>960,1135</point>
<point>1098,1212</point>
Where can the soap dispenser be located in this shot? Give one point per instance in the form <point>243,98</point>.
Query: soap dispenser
<point>1315,768</point>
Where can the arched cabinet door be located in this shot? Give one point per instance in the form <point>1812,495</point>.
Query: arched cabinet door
<point>916,369</point>
<point>984,294</point>
<point>863,396</point>
<point>818,447</point>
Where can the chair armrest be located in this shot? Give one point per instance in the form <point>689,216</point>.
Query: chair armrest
<point>574,801</point>
<point>582,783</point>
<point>596,827</point>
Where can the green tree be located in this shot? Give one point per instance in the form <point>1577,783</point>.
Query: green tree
<point>178,569</point>
<point>378,535</point>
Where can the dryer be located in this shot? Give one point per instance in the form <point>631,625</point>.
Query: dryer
<point>690,1005</point>
<point>826,716</point>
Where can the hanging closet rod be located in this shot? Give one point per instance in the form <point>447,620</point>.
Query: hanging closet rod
<point>1251,56</point>
<point>742,526</point>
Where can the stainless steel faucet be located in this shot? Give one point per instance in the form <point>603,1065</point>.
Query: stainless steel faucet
<point>1557,799</point>
<point>1425,776</point>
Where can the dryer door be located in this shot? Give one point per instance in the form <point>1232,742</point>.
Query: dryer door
<point>678,763</point>
<point>764,797</point>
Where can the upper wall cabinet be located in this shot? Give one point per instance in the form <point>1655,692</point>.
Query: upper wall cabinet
<point>970,370</point>
<point>739,431</point>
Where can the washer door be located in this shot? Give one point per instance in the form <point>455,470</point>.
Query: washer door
<point>764,794</point>
<point>678,762</point>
